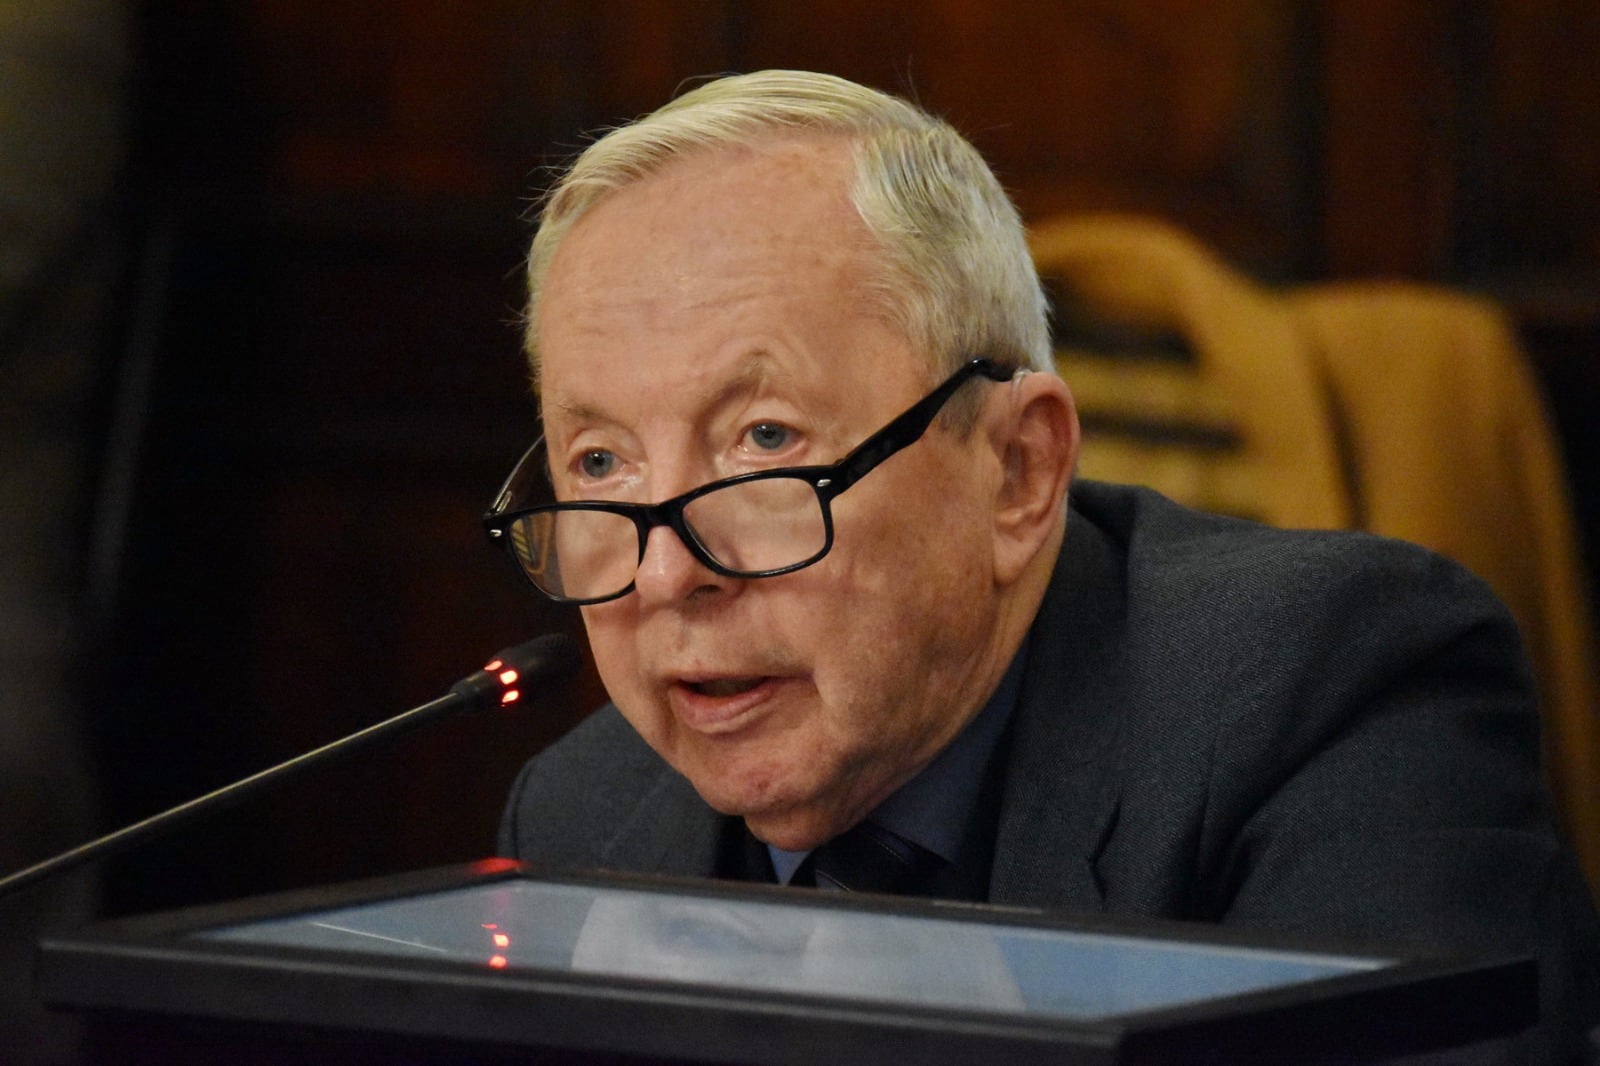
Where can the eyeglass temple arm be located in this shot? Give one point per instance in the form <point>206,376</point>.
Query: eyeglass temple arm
<point>907,427</point>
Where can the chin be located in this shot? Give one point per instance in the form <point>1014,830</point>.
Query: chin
<point>801,824</point>
<point>785,814</point>
<point>792,833</point>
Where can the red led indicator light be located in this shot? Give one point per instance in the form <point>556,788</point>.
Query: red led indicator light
<point>508,677</point>
<point>492,667</point>
<point>491,925</point>
<point>509,696</point>
<point>501,940</point>
<point>498,962</point>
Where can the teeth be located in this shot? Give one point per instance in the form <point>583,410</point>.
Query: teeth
<point>728,686</point>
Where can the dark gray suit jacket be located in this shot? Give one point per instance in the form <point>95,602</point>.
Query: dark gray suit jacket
<point>1321,733</point>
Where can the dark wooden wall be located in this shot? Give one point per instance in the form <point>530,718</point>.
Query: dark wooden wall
<point>337,388</point>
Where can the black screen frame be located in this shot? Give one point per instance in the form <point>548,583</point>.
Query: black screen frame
<point>155,965</point>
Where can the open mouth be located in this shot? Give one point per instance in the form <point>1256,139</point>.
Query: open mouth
<point>725,686</point>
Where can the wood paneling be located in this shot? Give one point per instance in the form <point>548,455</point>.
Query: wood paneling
<point>1539,147</point>
<point>1391,137</point>
<point>1194,110</point>
<point>1187,109</point>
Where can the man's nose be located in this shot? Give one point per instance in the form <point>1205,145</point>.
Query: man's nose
<point>669,573</point>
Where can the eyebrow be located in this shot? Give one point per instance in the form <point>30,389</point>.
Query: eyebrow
<point>756,368</point>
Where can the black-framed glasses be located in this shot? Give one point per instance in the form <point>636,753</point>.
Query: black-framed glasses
<point>760,524</point>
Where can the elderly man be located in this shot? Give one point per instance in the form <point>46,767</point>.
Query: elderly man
<point>813,468</point>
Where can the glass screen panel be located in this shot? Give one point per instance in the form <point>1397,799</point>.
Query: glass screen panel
<point>796,948</point>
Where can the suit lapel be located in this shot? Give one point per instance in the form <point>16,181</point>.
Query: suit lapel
<point>670,830</point>
<point>1061,793</point>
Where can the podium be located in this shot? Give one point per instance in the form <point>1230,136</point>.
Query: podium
<point>497,962</point>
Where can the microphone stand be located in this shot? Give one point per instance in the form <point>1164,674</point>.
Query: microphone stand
<point>549,658</point>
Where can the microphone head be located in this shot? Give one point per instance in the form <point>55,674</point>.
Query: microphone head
<point>542,660</point>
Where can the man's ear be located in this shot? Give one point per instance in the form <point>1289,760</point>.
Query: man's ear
<point>1037,440</point>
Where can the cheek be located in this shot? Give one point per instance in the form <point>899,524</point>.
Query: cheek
<point>905,598</point>
<point>929,546</point>
<point>612,631</point>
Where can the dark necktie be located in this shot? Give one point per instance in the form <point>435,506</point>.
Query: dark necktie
<point>869,859</point>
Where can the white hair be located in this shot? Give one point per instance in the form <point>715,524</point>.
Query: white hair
<point>956,274</point>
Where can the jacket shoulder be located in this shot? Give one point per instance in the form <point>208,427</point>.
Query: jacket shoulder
<point>1190,567</point>
<point>568,797</point>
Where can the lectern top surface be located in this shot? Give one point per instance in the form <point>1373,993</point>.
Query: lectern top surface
<point>791,947</point>
<point>500,958</point>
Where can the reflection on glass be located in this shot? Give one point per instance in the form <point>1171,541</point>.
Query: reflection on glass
<point>796,947</point>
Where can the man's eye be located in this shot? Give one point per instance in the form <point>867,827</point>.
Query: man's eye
<point>769,436</point>
<point>597,463</point>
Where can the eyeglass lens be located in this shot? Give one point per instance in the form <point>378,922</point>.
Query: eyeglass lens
<point>748,527</point>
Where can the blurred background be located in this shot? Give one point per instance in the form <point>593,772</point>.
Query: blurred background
<point>259,369</point>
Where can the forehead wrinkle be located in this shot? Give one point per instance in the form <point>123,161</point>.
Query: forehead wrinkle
<point>751,373</point>
<point>705,396</point>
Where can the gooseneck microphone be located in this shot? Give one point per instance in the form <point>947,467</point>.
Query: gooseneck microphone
<point>543,660</point>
